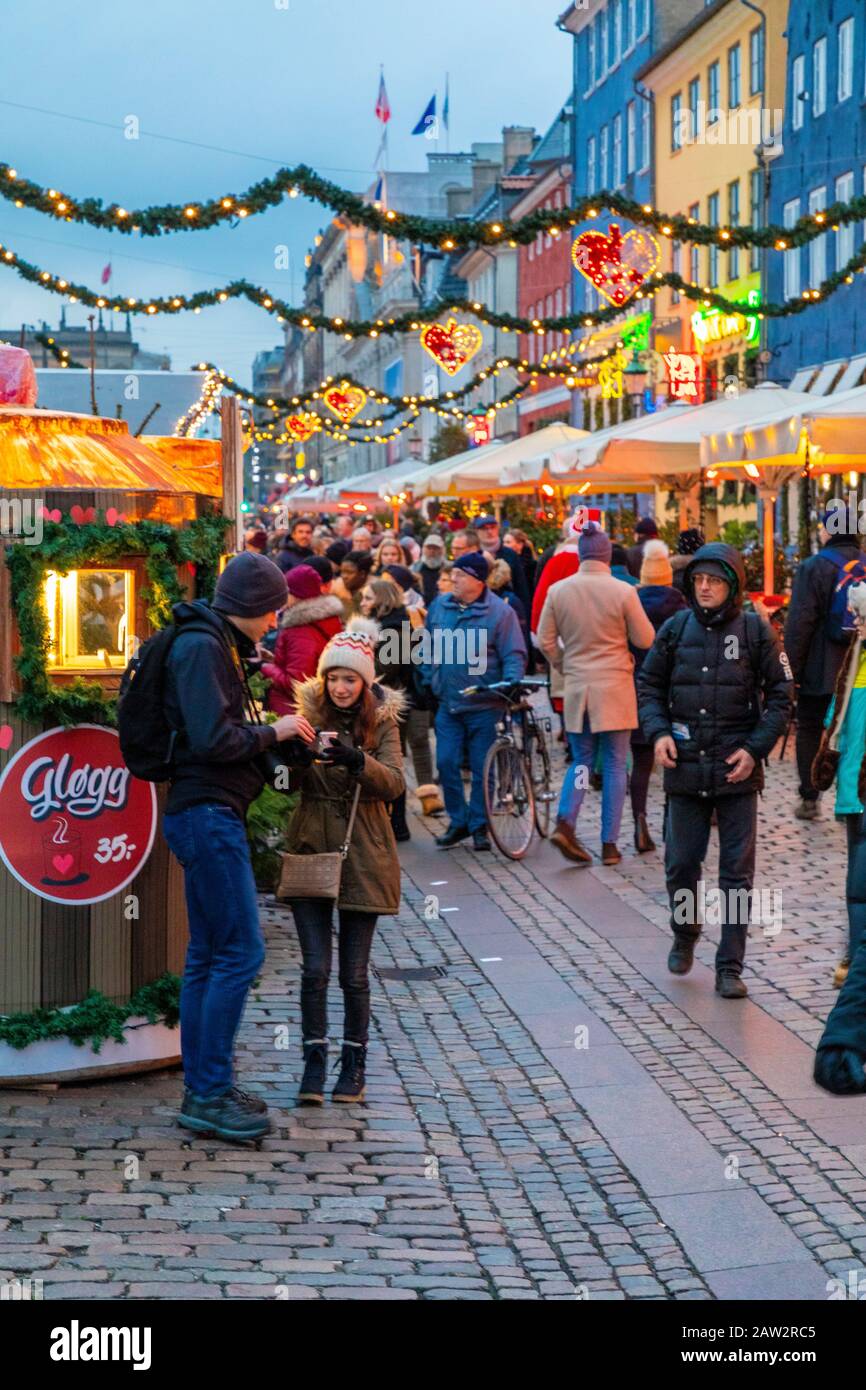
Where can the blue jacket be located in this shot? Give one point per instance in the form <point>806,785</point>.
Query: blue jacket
<point>479,644</point>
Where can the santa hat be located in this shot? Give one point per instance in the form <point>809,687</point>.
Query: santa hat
<point>352,650</point>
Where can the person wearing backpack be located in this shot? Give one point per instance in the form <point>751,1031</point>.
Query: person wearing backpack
<point>817,640</point>
<point>215,770</point>
<point>714,696</point>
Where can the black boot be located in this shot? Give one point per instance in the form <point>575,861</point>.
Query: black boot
<point>351,1081</point>
<point>643,841</point>
<point>682,954</point>
<point>312,1089</point>
<point>398,819</point>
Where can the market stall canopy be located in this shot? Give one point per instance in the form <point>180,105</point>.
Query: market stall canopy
<point>420,482</point>
<point>833,426</point>
<point>55,450</point>
<point>377,486</point>
<point>495,468</point>
<point>575,458</point>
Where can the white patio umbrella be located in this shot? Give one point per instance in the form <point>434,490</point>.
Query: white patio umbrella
<point>500,469</point>
<point>833,427</point>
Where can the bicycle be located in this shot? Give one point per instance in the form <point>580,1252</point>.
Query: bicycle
<point>517,777</point>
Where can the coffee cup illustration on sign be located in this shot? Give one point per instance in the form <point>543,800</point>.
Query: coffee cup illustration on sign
<point>61,851</point>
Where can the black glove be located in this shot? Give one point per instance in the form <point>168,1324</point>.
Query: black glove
<point>840,1071</point>
<point>297,753</point>
<point>340,755</point>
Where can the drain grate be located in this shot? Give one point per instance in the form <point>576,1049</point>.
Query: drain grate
<point>421,972</point>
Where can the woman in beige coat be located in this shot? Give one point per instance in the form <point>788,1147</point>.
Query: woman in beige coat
<point>585,629</point>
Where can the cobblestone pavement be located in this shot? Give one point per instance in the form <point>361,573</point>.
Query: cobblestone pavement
<point>550,1116</point>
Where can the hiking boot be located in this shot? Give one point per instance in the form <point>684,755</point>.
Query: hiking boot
<point>682,955</point>
<point>246,1098</point>
<point>569,845</point>
<point>453,835</point>
<point>729,985</point>
<point>351,1081</point>
<point>643,841</point>
<point>312,1088</point>
<point>840,974</point>
<point>609,853</point>
<point>480,839</point>
<point>226,1116</point>
<point>806,810</point>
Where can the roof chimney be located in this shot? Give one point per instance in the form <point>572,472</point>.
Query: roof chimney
<point>517,141</point>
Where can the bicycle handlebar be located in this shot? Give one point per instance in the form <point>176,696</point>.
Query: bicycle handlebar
<point>504,688</point>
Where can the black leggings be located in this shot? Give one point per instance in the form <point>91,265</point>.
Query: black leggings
<point>643,757</point>
<point>313,919</point>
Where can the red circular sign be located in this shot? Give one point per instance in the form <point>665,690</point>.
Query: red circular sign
<point>75,825</point>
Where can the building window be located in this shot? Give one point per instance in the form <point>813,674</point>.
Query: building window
<point>676,265</point>
<point>591,185</point>
<point>819,77</point>
<point>590,58</point>
<point>845,235</point>
<point>557,313</point>
<point>734,221</point>
<point>90,619</point>
<point>642,18</point>
<point>694,108</point>
<point>714,93</point>
<point>630,138</point>
<point>713,220</point>
<point>756,61</point>
<point>630,25</point>
<point>756,213</point>
<point>798,91</point>
<point>602,155</point>
<point>617,150</point>
<point>645,115</point>
<point>598,46</point>
<point>790,216</point>
<point>818,247</point>
<point>602,44</point>
<point>734,95</point>
<point>845,51</point>
<point>694,250</point>
<point>676,118</point>
<point>616,29</point>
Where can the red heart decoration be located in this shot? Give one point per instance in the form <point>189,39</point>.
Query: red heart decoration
<point>6,736</point>
<point>616,265</point>
<point>63,863</point>
<point>54,515</point>
<point>451,344</point>
<point>81,515</point>
<point>301,427</point>
<point>113,517</point>
<point>345,401</point>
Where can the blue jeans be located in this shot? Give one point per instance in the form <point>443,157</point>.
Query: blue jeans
<point>226,945</point>
<point>614,744</point>
<point>458,735</point>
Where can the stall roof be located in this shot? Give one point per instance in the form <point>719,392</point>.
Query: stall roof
<point>53,450</point>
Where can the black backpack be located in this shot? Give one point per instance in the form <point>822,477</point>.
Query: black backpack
<point>147,740</point>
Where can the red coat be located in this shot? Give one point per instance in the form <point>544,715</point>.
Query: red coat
<point>307,627</point>
<point>560,566</point>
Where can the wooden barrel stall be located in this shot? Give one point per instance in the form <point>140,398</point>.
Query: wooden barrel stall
<point>90,898</point>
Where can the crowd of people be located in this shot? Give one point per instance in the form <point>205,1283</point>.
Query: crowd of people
<point>652,657</point>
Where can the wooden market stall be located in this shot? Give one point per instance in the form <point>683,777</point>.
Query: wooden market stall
<point>99,533</point>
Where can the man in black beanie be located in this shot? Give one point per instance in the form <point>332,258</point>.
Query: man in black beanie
<point>646,530</point>
<point>216,773</point>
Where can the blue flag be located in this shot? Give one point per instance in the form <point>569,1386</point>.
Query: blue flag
<point>428,119</point>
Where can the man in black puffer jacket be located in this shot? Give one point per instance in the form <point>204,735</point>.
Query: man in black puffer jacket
<point>715,694</point>
<point>815,650</point>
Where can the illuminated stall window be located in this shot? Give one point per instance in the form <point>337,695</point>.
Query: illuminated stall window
<point>90,619</point>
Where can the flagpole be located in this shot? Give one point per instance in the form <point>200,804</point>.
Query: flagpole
<point>446,111</point>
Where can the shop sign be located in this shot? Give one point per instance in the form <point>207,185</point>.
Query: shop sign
<point>715,326</point>
<point>683,375</point>
<point>75,825</point>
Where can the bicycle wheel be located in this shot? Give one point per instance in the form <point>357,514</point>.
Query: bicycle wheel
<point>539,766</point>
<point>508,799</point>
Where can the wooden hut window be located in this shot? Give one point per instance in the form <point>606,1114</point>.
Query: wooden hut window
<point>90,619</point>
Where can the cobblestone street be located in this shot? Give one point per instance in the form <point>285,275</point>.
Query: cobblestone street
<point>550,1114</point>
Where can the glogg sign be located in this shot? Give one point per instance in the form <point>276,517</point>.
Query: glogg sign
<point>75,825</point>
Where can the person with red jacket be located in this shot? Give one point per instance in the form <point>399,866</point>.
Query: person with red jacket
<point>307,623</point>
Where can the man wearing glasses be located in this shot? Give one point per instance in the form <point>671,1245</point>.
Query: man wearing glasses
<point>715,694</point>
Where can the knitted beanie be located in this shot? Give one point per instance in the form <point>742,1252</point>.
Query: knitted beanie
<point>646,527</point>
<point>303,582</point>
<point>690,541</point>
<point>594,544</point>
<point>474,563</point>
<point>656,564</point>
<point>250,586</point>
<point>352,650</point>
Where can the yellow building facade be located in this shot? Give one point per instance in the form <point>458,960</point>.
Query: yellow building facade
<point>718,90</point>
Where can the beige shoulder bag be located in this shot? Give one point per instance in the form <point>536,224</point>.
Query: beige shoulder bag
<point>316,875</point>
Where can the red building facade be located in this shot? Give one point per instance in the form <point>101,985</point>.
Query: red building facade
<point>544,291</point>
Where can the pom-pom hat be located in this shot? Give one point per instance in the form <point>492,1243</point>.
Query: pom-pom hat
<point>352,650</point>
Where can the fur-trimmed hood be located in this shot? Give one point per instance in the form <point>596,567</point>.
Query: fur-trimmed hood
<point>391,704</point>
<point>312,610</point>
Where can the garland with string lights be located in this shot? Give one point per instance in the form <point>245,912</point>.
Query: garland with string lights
<point>59,354</point>
<point>411,322</point>
<point>448,234</point>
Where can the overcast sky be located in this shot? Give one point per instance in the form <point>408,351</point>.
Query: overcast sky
<point>240,87</point>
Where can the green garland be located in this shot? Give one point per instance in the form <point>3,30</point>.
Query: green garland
<point>411,321</point>
<point>95,1020</point>
<point>58,353</point>
<point>450,234</point>
<point>66,546</point>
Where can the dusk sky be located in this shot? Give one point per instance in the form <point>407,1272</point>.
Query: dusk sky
<point>240,89</point>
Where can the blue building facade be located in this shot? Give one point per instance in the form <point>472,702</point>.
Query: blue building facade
<point>823,161</point>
